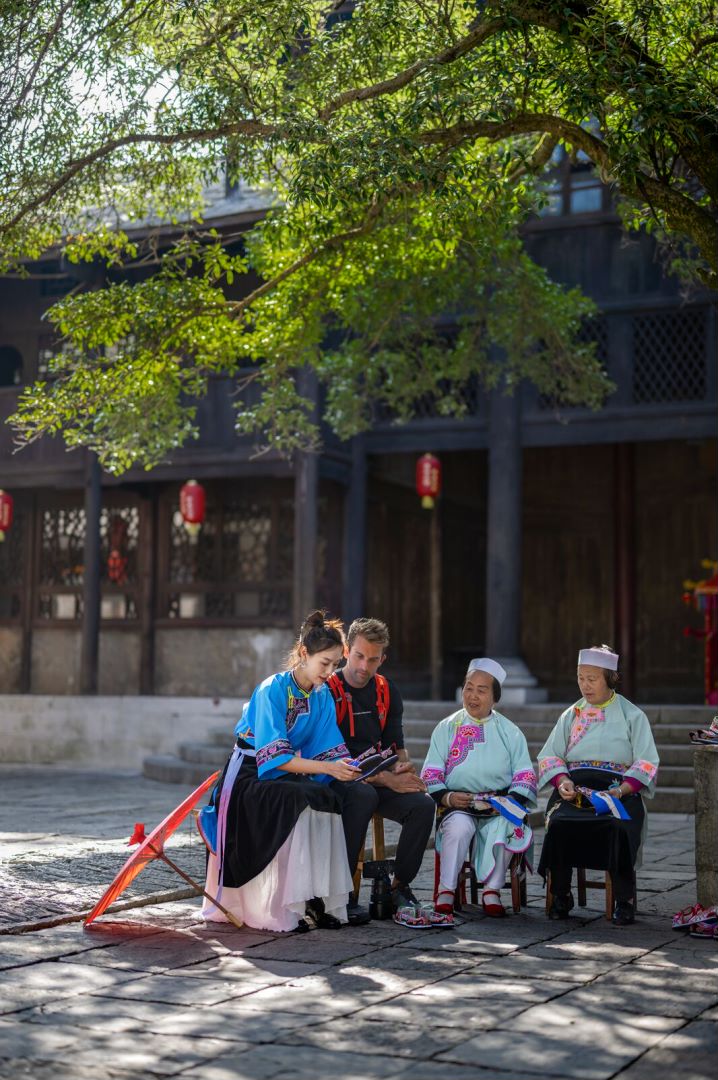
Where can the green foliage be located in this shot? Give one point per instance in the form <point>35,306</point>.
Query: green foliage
<point>404,147</point>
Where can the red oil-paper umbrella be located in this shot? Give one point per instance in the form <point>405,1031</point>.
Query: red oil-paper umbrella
<point>151,848</point>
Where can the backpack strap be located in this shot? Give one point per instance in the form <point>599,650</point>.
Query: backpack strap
<point>342,701</point>
<point>382,699</point>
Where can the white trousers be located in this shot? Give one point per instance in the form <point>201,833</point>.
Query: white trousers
<point>457,832</point>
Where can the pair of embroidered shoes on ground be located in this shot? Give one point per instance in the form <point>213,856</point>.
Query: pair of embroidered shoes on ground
<point>374,760</point>
<point>698,921</point>
<point>408,911</point>
<point>706,736</point>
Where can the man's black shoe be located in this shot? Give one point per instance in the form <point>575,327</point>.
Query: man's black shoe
<point>356,914</point>
<point>623,914</point>
<point>316,914</point>
<point>402,896</point>
<point>560,907</point>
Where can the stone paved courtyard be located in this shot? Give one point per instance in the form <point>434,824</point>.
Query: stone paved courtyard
<point>153,993</point>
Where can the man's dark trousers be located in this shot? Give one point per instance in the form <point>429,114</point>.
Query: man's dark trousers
<point>413,810</point>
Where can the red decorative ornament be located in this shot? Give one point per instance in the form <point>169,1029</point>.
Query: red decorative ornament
<point>6,512</point>
<point>192,507</point>
<point>428,479</point>
<point>117,567</point>
<point>138,836</point>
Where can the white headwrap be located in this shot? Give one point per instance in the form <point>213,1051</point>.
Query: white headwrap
<point>482,663</point>
<point>603,658</point>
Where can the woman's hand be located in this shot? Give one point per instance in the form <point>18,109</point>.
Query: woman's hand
<point>340,770</point>
<point>567,790</point>
<point>458,800</point>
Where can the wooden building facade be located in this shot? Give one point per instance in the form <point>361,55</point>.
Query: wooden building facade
<point>559,527</point>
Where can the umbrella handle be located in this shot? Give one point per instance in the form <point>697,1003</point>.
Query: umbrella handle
<point>160,854</point>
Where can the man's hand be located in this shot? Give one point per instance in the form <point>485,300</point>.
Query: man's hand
<point>404,781</point>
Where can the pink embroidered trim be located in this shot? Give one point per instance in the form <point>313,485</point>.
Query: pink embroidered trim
<point>467,737</point>
<point>276,748</point>
<point>333,754</point>
<point>644,768</point>
<point>583,719</point>
<point>550,764</point>
<point>432,776</point>
<point>526,778</point>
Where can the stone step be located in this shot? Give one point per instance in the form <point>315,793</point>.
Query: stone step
<point>676,762</point>
<point>173,770</point>
<point>677,800</point>
<point>223,738</point>
<point>670,754</point>
<point>691,716</point>
<point>669,723</point>
<point>205,753</point>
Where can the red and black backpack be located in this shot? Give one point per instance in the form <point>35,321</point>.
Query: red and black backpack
<point>343,700</point>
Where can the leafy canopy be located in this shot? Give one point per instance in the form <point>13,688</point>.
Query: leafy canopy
<point>401,145</point>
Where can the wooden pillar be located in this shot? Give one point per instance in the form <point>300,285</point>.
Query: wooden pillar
<point>32,530</point>
<point>435,650</point>
<point>355,518</point>
<point>90,651</point>
<point>306,495</point>
<point>705,770</point>
<point>625,563</point>
<point>147,570</point>
<point>504,527</point>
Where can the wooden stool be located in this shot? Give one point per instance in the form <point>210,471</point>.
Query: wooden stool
<point>582,885</point>
<point>516,882</point>
<point>378,850</point>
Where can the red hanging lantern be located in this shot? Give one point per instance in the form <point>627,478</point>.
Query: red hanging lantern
<point>428,480</point>
<point>6,512</point>
<point>192,507</point>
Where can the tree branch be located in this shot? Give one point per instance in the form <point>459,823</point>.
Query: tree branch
<point>470,41</point>
<point>250,128</point>
<point>690,218</point>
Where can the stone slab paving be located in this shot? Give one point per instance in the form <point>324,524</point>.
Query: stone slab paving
<point>154,993</point>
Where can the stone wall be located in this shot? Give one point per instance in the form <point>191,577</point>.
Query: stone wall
<point>10,659</point>
<point>217,661</point>
<point>105,732</point>
<point>189,661</point>
<point>56,661</point>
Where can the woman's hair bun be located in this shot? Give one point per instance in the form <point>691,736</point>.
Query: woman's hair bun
<point>315,618</point>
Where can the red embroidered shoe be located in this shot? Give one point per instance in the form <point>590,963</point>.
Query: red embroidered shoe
<point>446,906</point>
<point>495,910</point>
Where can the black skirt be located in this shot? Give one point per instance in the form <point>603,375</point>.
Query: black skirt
<point>577,836</point>
<point>260,816</point>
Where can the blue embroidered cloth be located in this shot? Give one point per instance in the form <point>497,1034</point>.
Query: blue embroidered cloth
<point>281,721</point>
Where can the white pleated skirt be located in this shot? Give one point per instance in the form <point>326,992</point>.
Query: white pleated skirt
<point>311,862</point>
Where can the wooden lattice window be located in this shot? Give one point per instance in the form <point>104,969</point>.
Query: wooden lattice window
<point>239,568</point>
<point>61,561</point>
<point>669,356</point>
